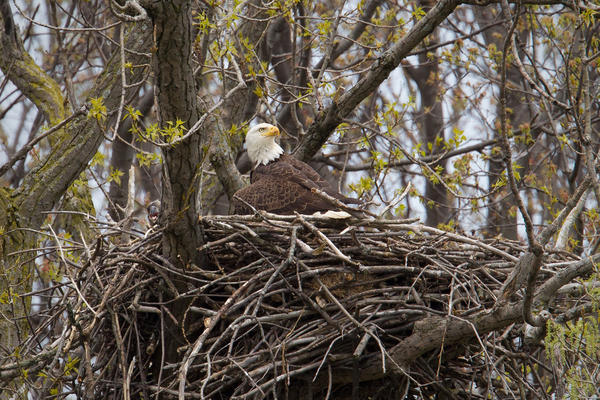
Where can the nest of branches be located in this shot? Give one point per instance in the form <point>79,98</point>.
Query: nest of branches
<point>288,306</point>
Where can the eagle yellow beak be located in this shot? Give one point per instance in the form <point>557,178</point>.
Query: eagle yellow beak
<point>272,131</point>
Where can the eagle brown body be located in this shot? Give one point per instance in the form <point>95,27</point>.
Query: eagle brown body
<point>279,183</point>
<point>285,186</point>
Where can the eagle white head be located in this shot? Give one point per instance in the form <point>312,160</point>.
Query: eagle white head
<point>261,145</point>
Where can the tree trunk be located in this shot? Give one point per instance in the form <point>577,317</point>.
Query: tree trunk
<point>502,214</point>
<point>176,94</point>
<point>182,163</point>
<point>431,123</point>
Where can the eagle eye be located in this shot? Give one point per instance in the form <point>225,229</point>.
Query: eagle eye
<point>261,130</point>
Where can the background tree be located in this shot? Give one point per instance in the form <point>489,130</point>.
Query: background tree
<point>430,123</point>
<point>107,105</point>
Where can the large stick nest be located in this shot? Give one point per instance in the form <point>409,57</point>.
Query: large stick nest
<point>287,305</point>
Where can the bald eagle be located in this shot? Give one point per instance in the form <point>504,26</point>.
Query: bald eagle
<point>279,183</point>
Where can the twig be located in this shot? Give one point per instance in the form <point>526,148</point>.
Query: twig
<point>326,240</point>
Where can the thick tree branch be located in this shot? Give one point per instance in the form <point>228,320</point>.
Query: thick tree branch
<point>529,264</point>
<point>402,163</point>
<point>433,332</point>
<point>562,239</point>
<point>22,153</point>
<point>549,230</point>
<point>47,181</point>
<point>27,76</point>
<point>549,289</point>
<point>222,159</point>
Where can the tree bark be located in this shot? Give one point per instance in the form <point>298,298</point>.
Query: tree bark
<point>177,98</point>
<point>25,74</point>
<point>176,95</point>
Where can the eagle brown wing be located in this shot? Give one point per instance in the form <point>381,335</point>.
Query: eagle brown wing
<point>292,169</point>
<point>278,195</point>
<point>307,171</point>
